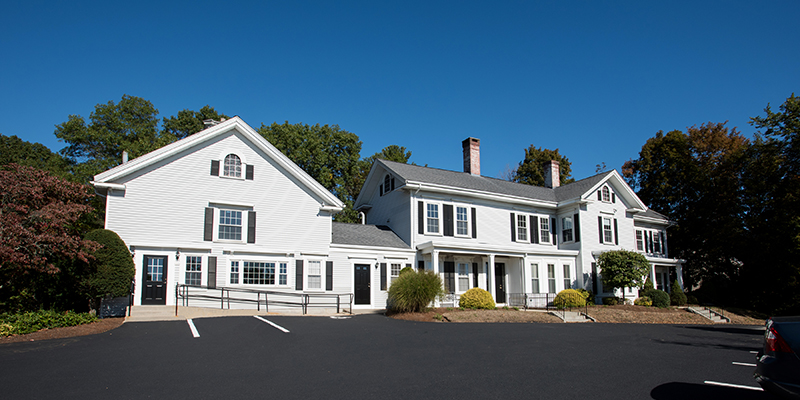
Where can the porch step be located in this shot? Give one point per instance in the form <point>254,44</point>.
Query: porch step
<point>571,316</point>
<point>709,314</point>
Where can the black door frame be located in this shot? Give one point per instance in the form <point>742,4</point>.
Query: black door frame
<point>368,289</point>
<point>154,287</point>
<point>500,282</point>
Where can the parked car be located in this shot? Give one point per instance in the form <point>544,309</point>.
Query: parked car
<point>778,366</point>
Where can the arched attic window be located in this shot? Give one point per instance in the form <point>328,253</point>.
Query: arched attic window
<point>232,166</point>
<point>606,195</point>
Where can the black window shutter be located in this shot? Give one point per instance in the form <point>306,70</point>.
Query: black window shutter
<point>329,275</point>
<point>215,167</point>
<point>251,227</point>
<point>663,243</point>
<point>600,227</point>
<point>646,242</point>
<point>212,272</point>
<point>383,276</point>
<point>600,194</point>
<point>248,172</point>
<point>613,197</point>
<point>381,189</point>
<point>534,229</point>
<point>513,228</point>
<point>576,229</point>
<point>421,216</point>
<point>392,183</point>
<point>474,223</point>
<point>208,230</point>
<point>474,274</point>
<point>553,230</point>
<point>420,265</point>
<point>448,219</point>
<point>652,245</point>
<point>298,275</point>
<point>616,234</point>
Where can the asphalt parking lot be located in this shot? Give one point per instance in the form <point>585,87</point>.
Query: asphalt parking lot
<point>371,356</point>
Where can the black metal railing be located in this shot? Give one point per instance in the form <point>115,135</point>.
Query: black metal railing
<point>543,301</point>
<point>228,295</point>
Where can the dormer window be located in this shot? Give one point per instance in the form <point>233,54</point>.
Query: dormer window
<point>232,166</point>
<point>388,184</point>
<point>606,195</point>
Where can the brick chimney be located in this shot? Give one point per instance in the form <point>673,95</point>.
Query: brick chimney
<point>472,155</point>
<point>552,174</point>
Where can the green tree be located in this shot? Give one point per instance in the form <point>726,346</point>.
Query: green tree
<point>130,125</point>
<point>189,122</point>
<point>111,270</point>
<point>622,268</point>
<point>530,170</point>
<point>326,152</point>
<point>391,153</point>
<point>36,155</point>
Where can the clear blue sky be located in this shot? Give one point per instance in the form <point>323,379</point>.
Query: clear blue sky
<point>593,79</point>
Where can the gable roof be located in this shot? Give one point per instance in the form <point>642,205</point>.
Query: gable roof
<point>366,235</point>
<point>466,182</point>
<point>108,178</point>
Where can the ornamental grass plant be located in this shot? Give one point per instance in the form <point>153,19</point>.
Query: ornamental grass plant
<point>413,291</point>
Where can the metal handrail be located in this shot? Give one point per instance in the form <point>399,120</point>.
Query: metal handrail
<point>304,300</point>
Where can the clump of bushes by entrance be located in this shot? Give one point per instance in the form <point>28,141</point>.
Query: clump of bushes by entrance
<point>413,291</point>
<point>111,271</point>
<point>477,298</point>
<point>677,297</point>
<point>660,298</point>
<point>569,298</point>
<point>643,301</point>
<point>32,321</point>
<point>610,301</point>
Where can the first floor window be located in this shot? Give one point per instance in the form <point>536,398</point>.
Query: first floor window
<point>544,230</point>
<point>234,272</point>
<point>314,275</point>
<point>258,273</point>
<point>194,270</point>
<point>608,234</point>
<point>462,224</point>
<point>522,228</point>
<point>551,278</point>
<point>230,225</point>
<point>463,277</point>
<point>639,241</point>
<point>395,271</point>
<point>282,274</point>
<point>566,229</point>
<point>534,278</point>
<point>567,279</point>
<point>433,218</point>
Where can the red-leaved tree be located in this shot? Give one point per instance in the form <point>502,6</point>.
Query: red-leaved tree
<point>39,216</point>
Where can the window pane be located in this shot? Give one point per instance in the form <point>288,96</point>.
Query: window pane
<point>534,278</point>
<point>551,278</point>
<point>544,230</point>
<point>230,225</point>
<point>639,241</point>
<point>522,227</point>
<point>194,270</point>
<point>234,272</point>
<point>155,269</point>
<point>314,275</point>
<point>282,275</point>
<point>607,233</point>
<point>433,218</point>
<point>461,221</point>
<point>232,166</point>
<point>567,279</point>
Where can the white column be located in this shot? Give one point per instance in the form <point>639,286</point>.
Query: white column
<point>526,275</point>
<point>490,275</point>
<point>679,272</point>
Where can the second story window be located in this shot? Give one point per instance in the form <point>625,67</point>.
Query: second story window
<point>656,243</point>
<point>544,230</point>
<point>522,228</point>
<point>566,229</point>
<point>639,240</point>
<point>230,225</point>
<point>608,233</point>
<point>232,166</point>
<point>433,218</point>
<point>462,222</point>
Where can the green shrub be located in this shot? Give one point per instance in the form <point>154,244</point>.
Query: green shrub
<point>588,295</point>
<point>413,291</point>
<point>22,323</point>
<point>477,298</point>
<point>569,298</point>
<point>660,298</point>
<point>111,271</point>
<point>406,270</point>
<point>677,297</point>
<point>690,299</point>
<point>643,301</point>
<point>610,301</point>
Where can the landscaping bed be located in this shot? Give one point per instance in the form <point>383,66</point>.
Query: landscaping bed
<point>99,326</point>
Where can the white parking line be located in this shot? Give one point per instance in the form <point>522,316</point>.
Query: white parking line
<point>192,327</point>
<point>284,330</point>
<point>753,352</point>
<point>732,385</point>
<point>743,364</point>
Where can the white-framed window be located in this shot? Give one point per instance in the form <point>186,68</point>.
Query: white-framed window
<point>258,273</point>
<point>656,242</point>
<point>544,230</point>
<point>639,240</point>
<point>566,229</point>
<point>432,218</point>
<point>522,228</point>
<point>194,270</point>
<point>234,280</point>
<point>387,182</point>
<point>394,272</point>
<point>315,275</point>
<point>608,233</point>
<point>551,278</point>
<point>463,277</point>
<point>534,278</point>
<point>567,278</point>
<point>606,194</point>
<point>462,221</point>
<point>232,166</point>
<point>282,274</point>
<point>230,225</point>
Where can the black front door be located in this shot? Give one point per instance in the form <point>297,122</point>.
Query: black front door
<point>154,287</point>
<point>500,282</point>
<point>362,291</point>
